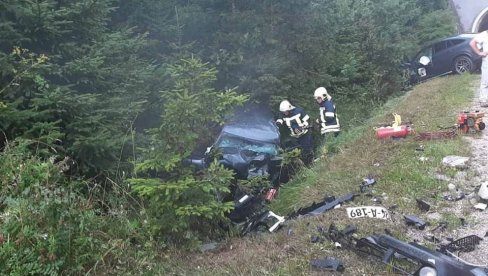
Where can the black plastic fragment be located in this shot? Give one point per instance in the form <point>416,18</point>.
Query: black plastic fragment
<point>316,239</point>
<point>423,205</point>
<point>367,182</point>
<point>466,244</point>
<point>327,264</point>
<point>458,197</point>
<point>416,221</point>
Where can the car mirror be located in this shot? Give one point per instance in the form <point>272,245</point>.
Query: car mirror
<point>208,150</point>
<point>424,60</point>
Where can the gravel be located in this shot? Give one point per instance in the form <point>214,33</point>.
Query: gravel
<point>477,220</point>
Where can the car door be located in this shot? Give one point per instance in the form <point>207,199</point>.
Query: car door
<point>441,60</point>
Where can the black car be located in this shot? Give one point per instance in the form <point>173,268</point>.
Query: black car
<point>450,55</point>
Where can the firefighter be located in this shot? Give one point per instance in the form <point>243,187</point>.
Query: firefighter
<point>296,120</point>
<point>329,123</point>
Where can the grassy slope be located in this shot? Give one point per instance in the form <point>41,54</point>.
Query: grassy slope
<point>395,164</point>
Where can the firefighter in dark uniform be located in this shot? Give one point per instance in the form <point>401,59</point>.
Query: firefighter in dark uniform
<point>329,123</point>
<point>296,120</point>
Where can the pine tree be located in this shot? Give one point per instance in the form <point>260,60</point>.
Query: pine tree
<point>181,202</point>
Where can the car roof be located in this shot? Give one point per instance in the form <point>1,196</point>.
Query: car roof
<point>252,122</point>
<point>465,36</point>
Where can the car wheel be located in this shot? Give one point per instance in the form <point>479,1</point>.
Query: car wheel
<point>463,64</point>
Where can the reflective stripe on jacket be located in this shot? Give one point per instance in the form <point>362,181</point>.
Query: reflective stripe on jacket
<point>328,118</point>
<point>297,122</point>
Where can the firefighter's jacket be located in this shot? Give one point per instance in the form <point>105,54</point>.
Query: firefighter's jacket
<point>328,117</point>
<point>296,121</point>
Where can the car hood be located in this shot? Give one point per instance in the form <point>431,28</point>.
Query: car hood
<point>254,123</point>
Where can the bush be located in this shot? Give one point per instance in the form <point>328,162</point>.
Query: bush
<point>47,226</point>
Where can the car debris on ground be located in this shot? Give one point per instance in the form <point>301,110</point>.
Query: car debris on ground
<point>251,215</point>
<point>415,221</point>
<point>400,255</point>
<point>327,264</point>
<point>423,204</point>
<point>366,183</point>
<point>368,211</point>
<point>465,244</point>
<point>327,204</point>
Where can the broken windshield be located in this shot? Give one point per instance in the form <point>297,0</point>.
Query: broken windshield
<point>229,141</point>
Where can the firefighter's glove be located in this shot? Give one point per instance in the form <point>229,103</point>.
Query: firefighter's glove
<point>298,130</point>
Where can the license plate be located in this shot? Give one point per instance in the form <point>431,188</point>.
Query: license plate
<point>368,212</point>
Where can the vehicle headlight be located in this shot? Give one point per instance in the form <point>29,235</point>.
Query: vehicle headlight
<point>427,271</point>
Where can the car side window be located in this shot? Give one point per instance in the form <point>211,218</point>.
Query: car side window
<point>454,42</point>
<point>438,47</point>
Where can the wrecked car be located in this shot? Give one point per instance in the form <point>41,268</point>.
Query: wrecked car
<point>449,55</point>
<point>248,144</point>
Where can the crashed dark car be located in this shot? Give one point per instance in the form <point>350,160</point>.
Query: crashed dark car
<point>248,144</point>
<point>449,55</point>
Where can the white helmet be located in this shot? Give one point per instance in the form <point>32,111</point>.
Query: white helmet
<point>321,92</point>
<point>286,106</point>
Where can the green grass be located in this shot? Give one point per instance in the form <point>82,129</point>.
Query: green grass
<point>394,163</point>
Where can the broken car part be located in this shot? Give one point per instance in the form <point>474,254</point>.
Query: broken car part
<point>322,207</point>
<point>246,207</point>
<point>328,264</point>
<point>390,250</point>
<point>331,205</point>
<point>466,244</point>
<point>416,221</point>
<point>426,261</point>
<point>423,205</point>
<point>249,215</point>
<point>270,194</point>
<point>368,211</point>
<point>367,182</point>
<point>266,221</point>
<point>458,196</point>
